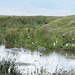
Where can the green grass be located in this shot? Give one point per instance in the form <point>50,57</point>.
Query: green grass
<point>43,31</point>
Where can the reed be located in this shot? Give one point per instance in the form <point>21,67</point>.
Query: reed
<point>8,68</point>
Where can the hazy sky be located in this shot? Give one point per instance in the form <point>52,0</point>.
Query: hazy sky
<point>37,7</point>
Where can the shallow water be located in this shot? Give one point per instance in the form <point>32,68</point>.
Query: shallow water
<point>28,61</point>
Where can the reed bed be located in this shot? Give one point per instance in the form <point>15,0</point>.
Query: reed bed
<point>9,68</point>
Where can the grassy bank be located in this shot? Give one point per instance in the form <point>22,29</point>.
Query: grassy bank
<point>38,31</point>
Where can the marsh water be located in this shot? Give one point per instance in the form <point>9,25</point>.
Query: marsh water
<point>28,61</point>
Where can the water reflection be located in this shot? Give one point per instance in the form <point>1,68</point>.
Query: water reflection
<point>29,61</point>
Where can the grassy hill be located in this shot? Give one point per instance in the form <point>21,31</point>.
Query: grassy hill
<point>17,31</point>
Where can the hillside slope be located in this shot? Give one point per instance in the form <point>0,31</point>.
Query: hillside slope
<point>49,32</point>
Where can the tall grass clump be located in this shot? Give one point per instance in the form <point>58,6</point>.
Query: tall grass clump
<point>12,37</point>
<point>8,68</point>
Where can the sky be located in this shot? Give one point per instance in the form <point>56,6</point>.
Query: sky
<point>37,7</point>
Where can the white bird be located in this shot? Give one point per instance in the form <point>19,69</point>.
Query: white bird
<point>73,45</point>
<point>54,43</point>
<point>72,38</point>
<point>32,43</point>
<point>9,69</point>
<point>67,44</point>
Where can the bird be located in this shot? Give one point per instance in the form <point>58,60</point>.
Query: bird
<point>32,43</point>
<point>63,35</point>
<point>28,37</point>
<point>40,55</point>
<point>54,43</point>
<point>24,50</point>
<point>35,46</point>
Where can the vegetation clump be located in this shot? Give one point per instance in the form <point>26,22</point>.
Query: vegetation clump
<point>8,68</point>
